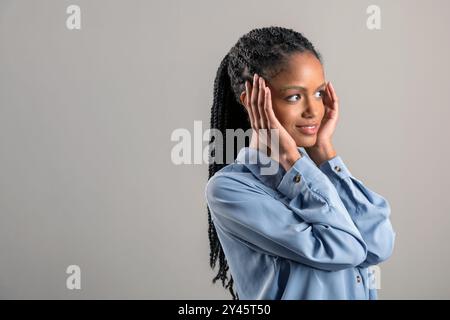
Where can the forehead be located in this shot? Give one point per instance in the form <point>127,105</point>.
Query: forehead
<point>301,69</point>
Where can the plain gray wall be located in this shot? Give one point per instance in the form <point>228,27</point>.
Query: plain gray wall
<point>86,116</point>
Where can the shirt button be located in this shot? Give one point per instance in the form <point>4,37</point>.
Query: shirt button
<point>358,279</point>
<point>337,168</point>
<point>297,178</point>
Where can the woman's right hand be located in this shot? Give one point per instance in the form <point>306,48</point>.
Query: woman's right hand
<point>258,102</point>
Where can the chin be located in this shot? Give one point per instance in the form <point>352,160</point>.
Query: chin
<point>306,141</point>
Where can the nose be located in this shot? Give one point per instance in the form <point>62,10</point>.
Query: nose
<point>312,108</point>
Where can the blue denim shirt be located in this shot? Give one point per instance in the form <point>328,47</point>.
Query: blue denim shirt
<point>308,233</point>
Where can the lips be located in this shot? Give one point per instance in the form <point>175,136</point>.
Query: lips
<point>308,129</point>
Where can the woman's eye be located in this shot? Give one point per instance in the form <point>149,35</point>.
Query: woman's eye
<point>292,98</point>
<point>321,92</point>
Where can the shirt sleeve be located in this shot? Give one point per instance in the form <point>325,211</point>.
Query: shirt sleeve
<point>369,211</point>
<point>314,228</point>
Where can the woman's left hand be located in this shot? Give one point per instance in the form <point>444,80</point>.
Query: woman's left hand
<point>323,150</point>
<point>330,118</point>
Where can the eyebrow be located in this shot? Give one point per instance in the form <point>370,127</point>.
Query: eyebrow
<point>300,87</point>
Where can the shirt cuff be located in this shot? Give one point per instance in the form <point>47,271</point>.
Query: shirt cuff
<point>302,175</point>
<point>335,166</point>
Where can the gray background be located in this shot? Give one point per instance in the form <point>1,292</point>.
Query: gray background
<point>86,116</point>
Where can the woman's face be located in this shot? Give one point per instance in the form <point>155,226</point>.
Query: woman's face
<point>297,94</point>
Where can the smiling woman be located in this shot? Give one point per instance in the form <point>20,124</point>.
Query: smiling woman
<point>310,230</point>
<point>297,95</point>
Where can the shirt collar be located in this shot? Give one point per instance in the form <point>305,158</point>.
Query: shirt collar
<point>256,160</point>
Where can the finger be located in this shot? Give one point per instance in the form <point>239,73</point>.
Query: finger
<point>262,109</point>
<point>267,101</point>
<point>328,95</point>
<point>250,109</point>
<point>261,102</point>
<point>274,124</point>
<point>247,104</point>
<point>262,117</point>
<point>335,105</point>
<point>333,93</point>
<point>254,101</point>
<point>272,119</point>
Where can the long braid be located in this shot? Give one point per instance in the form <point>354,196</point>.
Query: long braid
<point>220,119</point>
<point>264,51</point>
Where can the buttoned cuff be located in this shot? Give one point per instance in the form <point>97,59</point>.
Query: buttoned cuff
<point>302,175</point>
<point>335,166</point>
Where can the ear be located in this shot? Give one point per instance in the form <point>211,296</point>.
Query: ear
<point>242,98</point>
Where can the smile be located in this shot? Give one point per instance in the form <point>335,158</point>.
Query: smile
<point>308,130</point>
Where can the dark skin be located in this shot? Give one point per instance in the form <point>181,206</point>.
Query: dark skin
<point>299,95</point>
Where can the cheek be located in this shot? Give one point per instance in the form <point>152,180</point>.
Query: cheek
<point>322,111</point>
<point>285,114</point>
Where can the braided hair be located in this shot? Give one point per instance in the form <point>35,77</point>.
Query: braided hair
<point>264,51</point>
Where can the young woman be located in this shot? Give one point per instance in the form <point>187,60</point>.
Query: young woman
<point>311,229</point>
